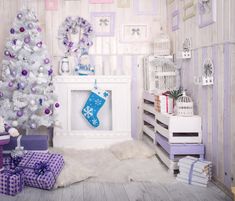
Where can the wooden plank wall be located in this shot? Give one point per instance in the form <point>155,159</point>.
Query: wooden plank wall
<point>110,56</point>
<point>213,103</point>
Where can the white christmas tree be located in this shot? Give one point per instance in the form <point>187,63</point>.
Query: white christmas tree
<point>26,90</point>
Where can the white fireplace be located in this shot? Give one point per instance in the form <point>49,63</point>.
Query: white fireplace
<point>115,116</point>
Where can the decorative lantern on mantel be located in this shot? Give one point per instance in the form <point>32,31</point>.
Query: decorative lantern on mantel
<point>162,44</point>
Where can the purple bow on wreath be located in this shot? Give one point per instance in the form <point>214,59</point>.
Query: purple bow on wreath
<point>41,168</point>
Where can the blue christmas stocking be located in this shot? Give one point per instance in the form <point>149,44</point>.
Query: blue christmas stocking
<point>93,104</point>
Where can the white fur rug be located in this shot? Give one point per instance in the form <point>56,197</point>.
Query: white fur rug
<point>121,163</point>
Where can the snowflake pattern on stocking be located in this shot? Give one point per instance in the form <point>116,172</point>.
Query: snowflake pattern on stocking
<point>95,122</point>
<point>88,112</point>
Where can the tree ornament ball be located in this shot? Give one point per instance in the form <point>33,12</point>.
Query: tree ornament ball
<point>33,89</point>
<point>19,16</point>
<point>24,72</point>
<point>32,102</point>
<point>39,44</point>
<point>33,125</point>
<point>10,84</point>
<point>47,111</point>
<point>50,72</point>
<point>30,25</point>
<point>14,123</point>
<point>12,31</point>
<point>19,113</point>
<point>40,69</point>
<point>7,53</point>
<point>27,39</point>
<point>22,29</point>
<point>13,73</point>
<point>22,85</point>
<point>57,105</point>
<point>46,61</point>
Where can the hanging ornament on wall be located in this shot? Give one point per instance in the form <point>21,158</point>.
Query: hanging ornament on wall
<point>186,54</point>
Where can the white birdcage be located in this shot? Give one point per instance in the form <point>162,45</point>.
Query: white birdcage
<point>160,74</point>
<point>184,106</point>
<point>162,44</point>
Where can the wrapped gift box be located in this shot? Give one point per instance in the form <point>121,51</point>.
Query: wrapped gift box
<point>164,104</point>
<point>41,169</point>
<point>28,143</point>
<point>11,181</point>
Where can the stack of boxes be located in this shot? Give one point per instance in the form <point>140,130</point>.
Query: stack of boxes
<point>194,171</point>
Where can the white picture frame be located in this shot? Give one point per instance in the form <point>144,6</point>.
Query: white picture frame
<point>135,33</point>
<point>189,9</point>
<point>207,13</point>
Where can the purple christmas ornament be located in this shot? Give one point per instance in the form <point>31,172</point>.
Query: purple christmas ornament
<point>10,84</point>
<point>12,31</point>
<point>46,61</point>
<point>13,73</point>
<point>30,25</point>
<point>7,53</point>
<point>39,44</point>
<point>47,111</point>
<point>24,72</point>
<point>14,41</point>
<point>19,113</point>
<point>39,29</point>
<point>50,72</point>
<point>19,16</point>
<point>57,105</point>
<point>27,39</point>
<point>22,29</point>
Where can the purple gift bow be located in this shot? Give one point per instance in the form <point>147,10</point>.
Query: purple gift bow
<point>17,172</point>
<point>53,174</point>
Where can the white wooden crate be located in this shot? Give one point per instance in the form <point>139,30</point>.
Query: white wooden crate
<point>179,129</point>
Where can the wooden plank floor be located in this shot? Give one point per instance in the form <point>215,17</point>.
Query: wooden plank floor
<point>134,191</point>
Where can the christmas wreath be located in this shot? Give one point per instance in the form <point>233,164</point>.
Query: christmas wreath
<point>78,26</point>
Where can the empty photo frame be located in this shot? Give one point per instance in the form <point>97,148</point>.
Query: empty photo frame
<point>207,12</point>
<point>103,23</point>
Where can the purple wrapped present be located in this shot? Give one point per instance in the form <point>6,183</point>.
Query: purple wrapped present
<point>41,169</point>
<point>11,181</point>
<point>28,143</point>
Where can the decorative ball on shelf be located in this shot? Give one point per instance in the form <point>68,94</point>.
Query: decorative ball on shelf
<point>184,105</point>
<point>24,72</point>
<point>19,113</point>
<point>47,111</point>
<point>22,29</point>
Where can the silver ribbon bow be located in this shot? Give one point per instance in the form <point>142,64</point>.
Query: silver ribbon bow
<point>135,31</point>
<point>104,22</point>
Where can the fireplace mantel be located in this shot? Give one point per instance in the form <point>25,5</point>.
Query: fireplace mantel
<point>68,134</point>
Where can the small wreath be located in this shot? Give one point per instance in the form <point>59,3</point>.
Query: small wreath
<point>78,26</point>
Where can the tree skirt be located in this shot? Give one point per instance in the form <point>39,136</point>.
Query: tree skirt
<point>122,163</point>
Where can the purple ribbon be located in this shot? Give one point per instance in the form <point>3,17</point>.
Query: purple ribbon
<point>10,173</point>
<point>41,168</point>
